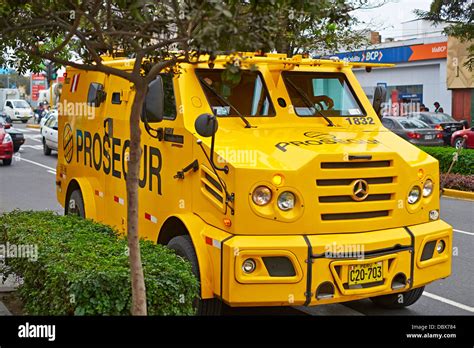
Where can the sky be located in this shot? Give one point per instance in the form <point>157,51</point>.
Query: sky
<point>388,18</point>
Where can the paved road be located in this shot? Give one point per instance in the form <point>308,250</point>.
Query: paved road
<point>29,184</point>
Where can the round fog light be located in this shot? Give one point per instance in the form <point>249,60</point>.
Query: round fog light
<point>434,215</point>
<point>440,246</point>
<point>249,266</point>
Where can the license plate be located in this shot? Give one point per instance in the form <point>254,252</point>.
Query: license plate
<point>429,137</point>
<point>365,273</point>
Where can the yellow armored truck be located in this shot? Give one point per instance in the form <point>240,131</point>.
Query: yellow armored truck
<point>272,175</point>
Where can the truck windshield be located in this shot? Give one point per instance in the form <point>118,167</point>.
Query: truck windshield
<point>21,104</point>
<point>330,93</point>
<point>244,92</point>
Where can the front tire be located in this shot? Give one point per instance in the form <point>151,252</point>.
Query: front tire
<point>75,204</point>
<point>399,300</point>
<point>183,246</point>
<point>46,148</point>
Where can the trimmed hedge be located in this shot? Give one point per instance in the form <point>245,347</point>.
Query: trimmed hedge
<point>82,268</point>
<point>458,182</point>
<point>464,165</point>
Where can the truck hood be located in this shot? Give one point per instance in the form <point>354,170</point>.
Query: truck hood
<point>293,148</point>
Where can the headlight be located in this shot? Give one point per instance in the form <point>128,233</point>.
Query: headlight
<point>17,113</point>
<point>428,188</point>
<point>262,195</point>
<point>414,195</point>
<point>7,139</point>
<point>286,201</point>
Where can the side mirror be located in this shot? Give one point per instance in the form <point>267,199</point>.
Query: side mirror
<point>380,94</point>
<point>153,109</point>
<point>206,125</point>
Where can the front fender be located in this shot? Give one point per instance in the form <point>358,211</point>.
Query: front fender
<point>209,265</point>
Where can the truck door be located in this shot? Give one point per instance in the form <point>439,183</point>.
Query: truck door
<point>163,191</point>
<point>116,134</point>
<point>89,126</point>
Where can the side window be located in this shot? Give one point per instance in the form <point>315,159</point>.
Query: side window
<point>50,122</point>
<point>388,123</point>
<point>9,104</point>
<point>96,94</point>
<point>170,101</point>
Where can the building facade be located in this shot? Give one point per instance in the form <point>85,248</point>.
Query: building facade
<point>419,76</point>
<point>420,72</point>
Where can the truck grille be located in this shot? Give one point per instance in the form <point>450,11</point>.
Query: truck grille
<point>335,193</point>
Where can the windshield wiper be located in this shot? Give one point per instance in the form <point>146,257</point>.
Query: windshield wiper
<point>309,104</point>
<point>223,100</point>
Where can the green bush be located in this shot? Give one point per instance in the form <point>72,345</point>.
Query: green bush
<point>464,165</point>
<point>82,268</point>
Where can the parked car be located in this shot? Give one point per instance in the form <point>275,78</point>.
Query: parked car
<point>49,131</point>
<point>6,147</point>
<point>440,121</point>
<point>413,130</point>
<point>46,116</point>
<point>17,136</point>
<point>458,137</point>
<point>18,110</point>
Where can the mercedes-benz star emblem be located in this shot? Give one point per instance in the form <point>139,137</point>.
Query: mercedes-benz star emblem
<point>360,190</point>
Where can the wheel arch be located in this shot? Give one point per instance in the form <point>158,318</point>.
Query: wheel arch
<point>87,195</point>
<point>189,224</point>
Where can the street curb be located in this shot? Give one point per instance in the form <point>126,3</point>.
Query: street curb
<point>458,194</point>
<point>4,310</point>
<point>36,126</point>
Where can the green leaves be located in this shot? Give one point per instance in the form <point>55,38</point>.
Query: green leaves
<point>460,15</point>
<point>83,269</point>
<point>464,165</point>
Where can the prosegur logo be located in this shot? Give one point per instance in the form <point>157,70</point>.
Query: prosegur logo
<point>68,143</point>
<point>318,138</point>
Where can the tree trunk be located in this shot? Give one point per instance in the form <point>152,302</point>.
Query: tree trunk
<point>139,306</point>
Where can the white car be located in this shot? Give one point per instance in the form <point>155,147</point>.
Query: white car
<point>49,132</point>
<point>18,110</point>
<point>47,116</point>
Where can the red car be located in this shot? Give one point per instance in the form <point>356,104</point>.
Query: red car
<point>6,147</point>
<point>458,137</point>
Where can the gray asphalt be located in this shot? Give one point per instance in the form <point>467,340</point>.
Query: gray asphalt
<point>26,185</point>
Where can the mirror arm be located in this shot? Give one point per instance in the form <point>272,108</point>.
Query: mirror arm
<point>224,169</point>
